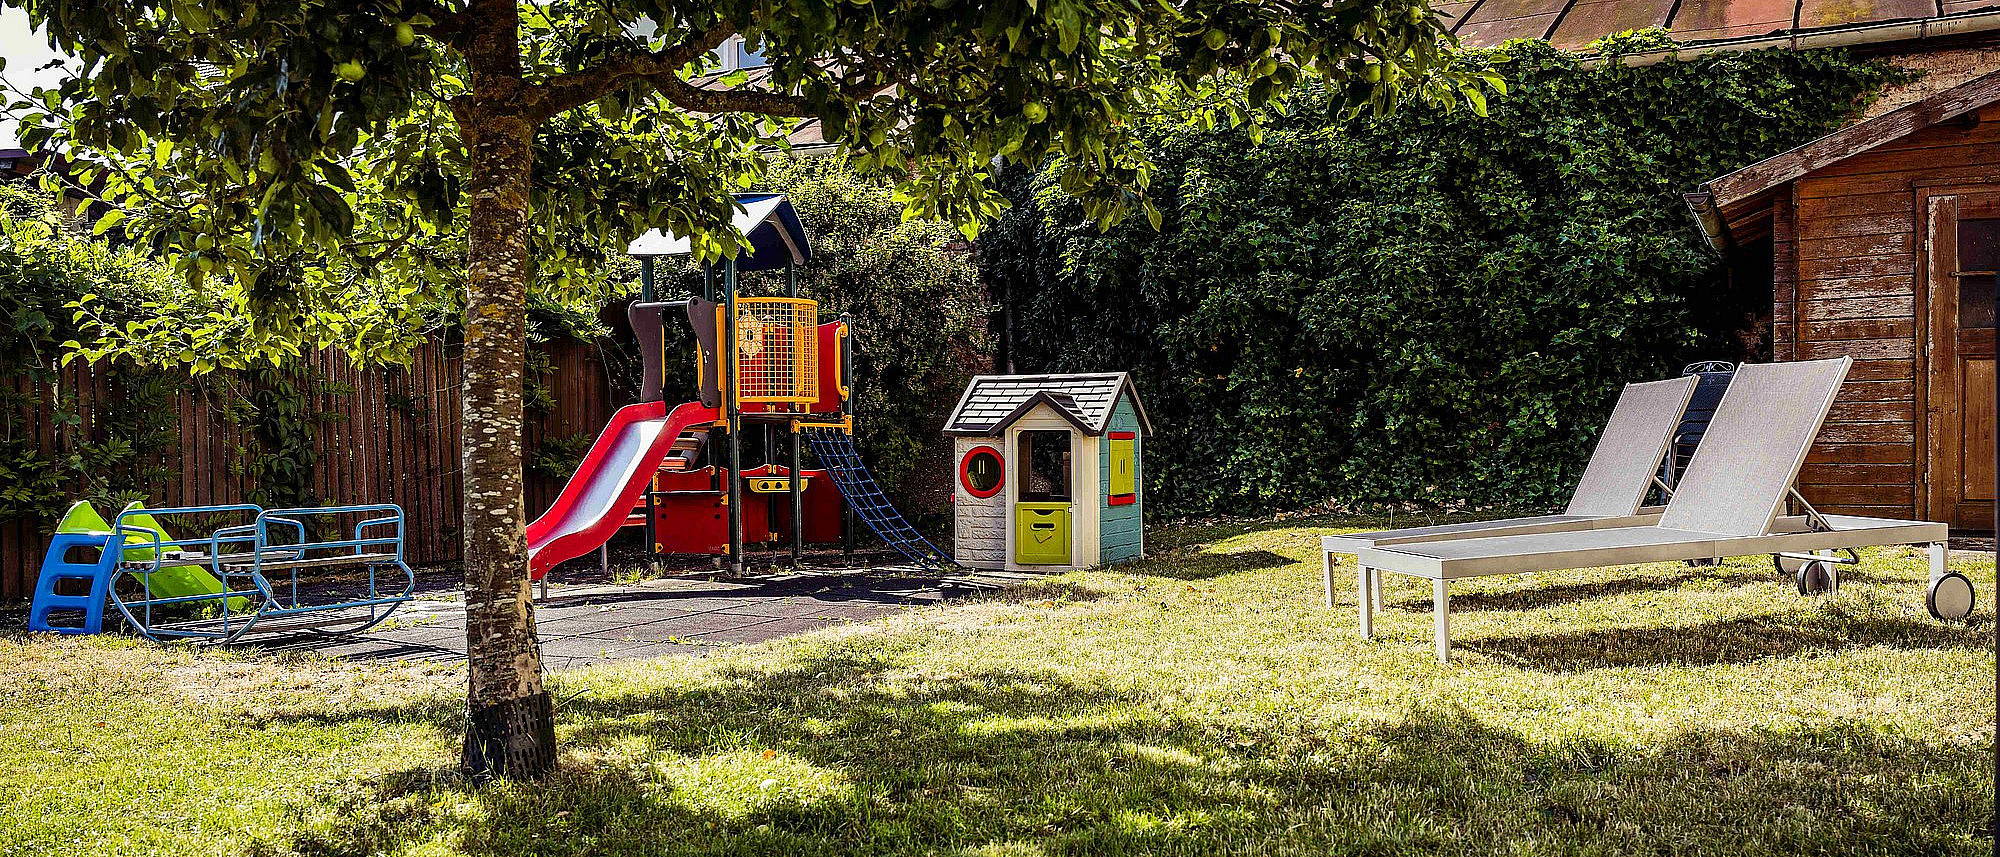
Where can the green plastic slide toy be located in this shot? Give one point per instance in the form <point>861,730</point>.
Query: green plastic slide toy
<point>172,581</point>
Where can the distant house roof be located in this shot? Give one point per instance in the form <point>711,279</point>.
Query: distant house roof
<point>1572,24</point>
<point>993,402</point>
<point>16,163</point>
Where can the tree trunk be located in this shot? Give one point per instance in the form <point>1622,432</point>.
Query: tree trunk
<point>510,730</point>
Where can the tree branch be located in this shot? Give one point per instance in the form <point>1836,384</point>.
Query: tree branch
<point>687,96</point>
<point>574,89</point>
<point>447,26</point>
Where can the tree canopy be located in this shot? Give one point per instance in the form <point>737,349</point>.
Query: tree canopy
<point>306,148</point>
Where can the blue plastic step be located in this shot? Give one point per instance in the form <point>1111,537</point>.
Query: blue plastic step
<point>56,569</point>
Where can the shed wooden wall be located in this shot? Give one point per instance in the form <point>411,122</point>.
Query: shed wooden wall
<point>1847,242</point>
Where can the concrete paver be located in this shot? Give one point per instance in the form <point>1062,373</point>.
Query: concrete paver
<point>585,625</point>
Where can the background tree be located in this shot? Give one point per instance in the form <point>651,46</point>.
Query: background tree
<point>293,146</point>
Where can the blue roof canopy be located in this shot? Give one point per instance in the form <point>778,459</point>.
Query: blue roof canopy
<point>777,238</point>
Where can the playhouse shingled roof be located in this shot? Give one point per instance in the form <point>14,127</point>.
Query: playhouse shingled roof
<point>992,402</point>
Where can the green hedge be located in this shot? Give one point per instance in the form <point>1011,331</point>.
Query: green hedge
<point>1433,307</point>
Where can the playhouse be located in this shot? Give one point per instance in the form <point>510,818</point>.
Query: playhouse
<point>1048,471</point>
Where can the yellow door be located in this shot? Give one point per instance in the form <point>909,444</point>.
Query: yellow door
<point>1041,533</point>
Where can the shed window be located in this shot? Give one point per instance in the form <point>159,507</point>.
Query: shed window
<point>1978,257</point>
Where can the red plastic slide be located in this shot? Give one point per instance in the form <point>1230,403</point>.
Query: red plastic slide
<point>608,483</point>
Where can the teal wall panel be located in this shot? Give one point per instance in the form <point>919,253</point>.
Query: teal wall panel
<point>1120,529</point>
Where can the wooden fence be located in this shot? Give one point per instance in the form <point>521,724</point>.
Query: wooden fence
<point>384,435</point>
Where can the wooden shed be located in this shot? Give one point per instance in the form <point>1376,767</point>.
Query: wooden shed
<point>1880,240</point>
<point>1049,471</point>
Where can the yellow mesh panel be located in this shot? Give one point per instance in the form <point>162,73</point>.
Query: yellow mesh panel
<point>775,359</point>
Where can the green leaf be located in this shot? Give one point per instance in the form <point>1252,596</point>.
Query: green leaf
<point>105,223</point>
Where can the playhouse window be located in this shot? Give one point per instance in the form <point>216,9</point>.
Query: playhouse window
<point>980,472</point>
<point>1043,459</point>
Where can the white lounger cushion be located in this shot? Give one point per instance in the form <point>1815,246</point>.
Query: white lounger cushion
<point>1628,453</point>
<point>1614,483</point>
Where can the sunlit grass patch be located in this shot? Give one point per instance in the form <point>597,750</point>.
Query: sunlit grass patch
<point>742,783</point>
<point>1203,701</point>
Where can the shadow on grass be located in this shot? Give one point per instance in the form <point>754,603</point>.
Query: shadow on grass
<point>1532,597</point>
<point>1043,590</point>
<point>1205,564</point>
<point>871,589</point>
<point>852,755</point>
<point>1730,642</point>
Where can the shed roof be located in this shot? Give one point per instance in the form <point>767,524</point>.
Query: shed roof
<point>1573,24</point>
<point>1721,200</point>
<point>777,238</point>
<point>993,402</point>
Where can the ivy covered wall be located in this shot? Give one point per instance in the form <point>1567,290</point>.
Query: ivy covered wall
<point>1431,307</point>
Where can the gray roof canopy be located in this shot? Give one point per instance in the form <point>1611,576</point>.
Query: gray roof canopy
<point>993,402</point>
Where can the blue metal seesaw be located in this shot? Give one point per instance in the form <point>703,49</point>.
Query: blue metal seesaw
<point>257,563</point>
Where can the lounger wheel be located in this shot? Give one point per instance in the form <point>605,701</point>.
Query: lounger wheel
<point>1815,576</point>
<point>1950,597</point>
<point>1705,563</point>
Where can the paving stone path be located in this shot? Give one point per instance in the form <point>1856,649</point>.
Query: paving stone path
<point>592,624</point>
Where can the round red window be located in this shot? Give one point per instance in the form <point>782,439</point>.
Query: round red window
<point>980,472</point>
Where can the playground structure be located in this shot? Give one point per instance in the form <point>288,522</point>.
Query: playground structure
<point>237,578</point>
<point>1073,494</point>
<point>762,363</point>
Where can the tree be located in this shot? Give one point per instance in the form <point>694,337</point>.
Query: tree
<point>296,147</point>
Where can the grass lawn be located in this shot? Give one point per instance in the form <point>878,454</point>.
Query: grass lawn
<point>1202,702</point>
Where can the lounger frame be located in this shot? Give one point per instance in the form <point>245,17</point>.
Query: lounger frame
<point>1637,437</point>
<point>1730,503</point>
<point>1791,534</point>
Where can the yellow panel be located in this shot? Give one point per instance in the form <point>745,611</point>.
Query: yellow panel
<point>1123,473</point>
<point>1041,533</point>
<point>776,350</point>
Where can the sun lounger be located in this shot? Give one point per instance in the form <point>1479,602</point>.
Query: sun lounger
<point>1622,469</point>
<point>1728,503</point>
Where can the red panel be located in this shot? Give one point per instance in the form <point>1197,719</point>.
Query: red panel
<point>830,336</point>
<point>692,518</point>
